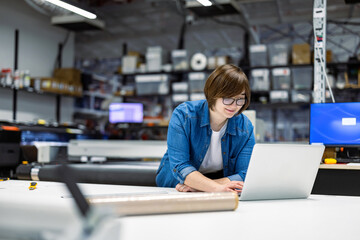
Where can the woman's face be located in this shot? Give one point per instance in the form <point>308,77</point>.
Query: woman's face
<point>228,107</point>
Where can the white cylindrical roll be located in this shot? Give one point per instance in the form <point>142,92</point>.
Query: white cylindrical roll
<point>168,203</point>
<point>198,62</point>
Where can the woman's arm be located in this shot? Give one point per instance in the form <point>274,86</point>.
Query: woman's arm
<point>222,180</point>
<point>198,181</point>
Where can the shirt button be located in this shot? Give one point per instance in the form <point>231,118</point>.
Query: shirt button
<point>224,153</point>
<point>223,140</point>
<point>174,170</point>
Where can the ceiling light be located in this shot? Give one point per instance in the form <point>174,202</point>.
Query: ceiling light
<point>73,9</point>
<point>205,3</point>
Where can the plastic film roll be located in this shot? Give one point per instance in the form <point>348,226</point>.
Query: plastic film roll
<point>198,62</point>
<point>168,203</point>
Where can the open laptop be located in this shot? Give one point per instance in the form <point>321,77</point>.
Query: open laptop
<point>281,171</point>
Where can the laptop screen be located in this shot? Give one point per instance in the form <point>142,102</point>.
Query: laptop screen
<point>335,124</point>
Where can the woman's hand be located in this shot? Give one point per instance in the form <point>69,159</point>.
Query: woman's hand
<point>233,186</point>
<point>184,188</point>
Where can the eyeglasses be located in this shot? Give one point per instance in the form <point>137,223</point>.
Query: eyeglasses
<point>230,101</point>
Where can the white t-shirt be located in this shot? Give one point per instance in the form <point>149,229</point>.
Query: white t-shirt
<point>213,160</point>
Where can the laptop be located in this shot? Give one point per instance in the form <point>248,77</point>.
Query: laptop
<point>281,171</point>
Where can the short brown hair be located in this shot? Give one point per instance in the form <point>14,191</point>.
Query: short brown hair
<point>226,81</point>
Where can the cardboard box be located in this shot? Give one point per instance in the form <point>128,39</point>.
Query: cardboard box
<point>328,56</point>
<point>352,80</point>
<point>301,54</point>
<point>69,74</point>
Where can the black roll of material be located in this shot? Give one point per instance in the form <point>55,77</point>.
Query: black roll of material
<point>122,174</point>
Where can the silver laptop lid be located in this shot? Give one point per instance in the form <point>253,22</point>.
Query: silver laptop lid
<point>281,171</point>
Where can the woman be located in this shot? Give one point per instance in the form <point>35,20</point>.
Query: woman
<point>209,141</point>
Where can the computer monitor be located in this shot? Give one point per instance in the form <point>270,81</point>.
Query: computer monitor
<point>126,113</point>
<point>335,124</point>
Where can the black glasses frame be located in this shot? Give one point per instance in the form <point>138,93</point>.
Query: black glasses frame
<point>239,101</point>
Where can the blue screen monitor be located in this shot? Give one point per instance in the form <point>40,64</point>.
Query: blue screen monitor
<point>126,113</point>
<point>335,124</point>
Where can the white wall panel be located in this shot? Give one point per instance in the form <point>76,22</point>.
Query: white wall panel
<point>38,46</point>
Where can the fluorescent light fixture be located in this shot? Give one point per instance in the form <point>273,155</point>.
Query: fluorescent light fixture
<point>205,3</point>
<point>73,8</point>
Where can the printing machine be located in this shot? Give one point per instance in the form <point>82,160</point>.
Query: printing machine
<point>104,162</point>
<point>9,149</point>
<point>101,150</point>
<point>45,152</point>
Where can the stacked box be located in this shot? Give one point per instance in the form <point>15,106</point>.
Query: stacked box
<point>154,59</point>
<point>70,74</point>
<point>300,96</point>
<point>129,64</point>
<point>301,54</point>
<point>281,78</point>
<point>180,92</point>
<point>211,63</point>
<point>180,87</point>
<point>258,55</point>
<point>179,60</point>
<point>197,96</point>
<point>152,84</point>
<point>260,80</point>
<point>197,81</point>
<point>68,81</point>
<point>180,97</point>
<point>279,96</point>
<point>278,54</point>
<point>302,78</point>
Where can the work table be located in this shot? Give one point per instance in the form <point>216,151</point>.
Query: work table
<point>318,217</point>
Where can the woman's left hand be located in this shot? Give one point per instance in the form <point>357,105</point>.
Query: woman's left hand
<point>184,188</point>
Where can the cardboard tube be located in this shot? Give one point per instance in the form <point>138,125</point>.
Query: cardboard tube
<point>168,203</point>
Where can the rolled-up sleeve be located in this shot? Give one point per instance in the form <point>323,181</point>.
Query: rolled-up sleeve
<point>178,146</point>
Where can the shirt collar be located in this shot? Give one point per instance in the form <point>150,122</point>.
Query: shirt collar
<point>205,116</point>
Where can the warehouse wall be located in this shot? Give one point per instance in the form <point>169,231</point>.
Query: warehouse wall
<point>38,44</point>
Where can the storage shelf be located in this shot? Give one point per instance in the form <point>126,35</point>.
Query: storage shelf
<point>284,105</point>
<point>329,65</point>
<point>98,94</point>
<point>47,128</point>
<point>98,113</point>
<point>163,72</point>
<point>45,93</point>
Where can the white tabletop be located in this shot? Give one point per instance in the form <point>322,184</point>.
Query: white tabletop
<point>318,217</point>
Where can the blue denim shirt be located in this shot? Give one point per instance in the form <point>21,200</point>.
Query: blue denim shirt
<point>188,140</point>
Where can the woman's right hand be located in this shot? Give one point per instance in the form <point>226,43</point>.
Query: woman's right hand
<point>233,186</point>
